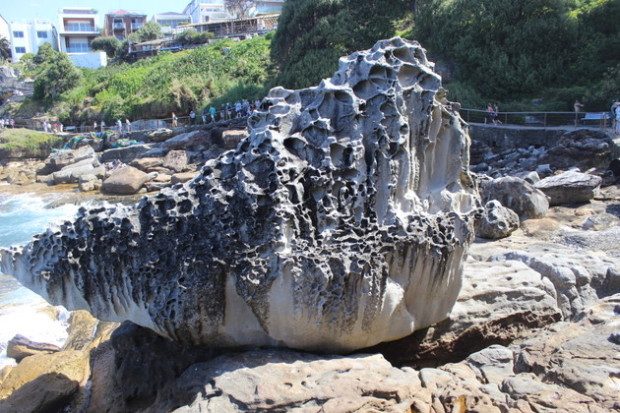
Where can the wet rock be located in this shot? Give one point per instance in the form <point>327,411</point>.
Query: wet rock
<point>570,187</point>
<point>496,221</point>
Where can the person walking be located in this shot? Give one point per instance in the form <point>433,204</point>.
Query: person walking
<point>212,113</point>
<point>174,120</point>
<point>127,126</point>
<point>617,129</point>
<point>119,126</point>
<point>204,115</point>
<point>577,107</point>
<point>102,126</point>
<point>192,117</point>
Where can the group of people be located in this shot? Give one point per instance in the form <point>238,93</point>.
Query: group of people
<point>52,127</point>
<point>227,111</point>
<point>6,123</point>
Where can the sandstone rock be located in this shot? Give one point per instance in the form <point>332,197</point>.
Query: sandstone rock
<point>516,194</point>
<point>160,135</point>
<point>584,149</point>
<point>176,160</point>
<point>499,302</point>
<point>124,181</point>
<point>496,221</point>
<point>125,154</point>
<point>325,232</point>
<point>569,187</point>
<point>72,173</point>
<point>144,164</point>
<point>44,382</point>
<point>182,177</point>
<point>287,381</point>
<point>186,140</point>
<point>20,347</point>
<point>62,158</point>
<point>232,137</point>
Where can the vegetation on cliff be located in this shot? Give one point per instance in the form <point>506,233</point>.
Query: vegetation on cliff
<point>170,82</point>
<point>504,50</point>
<point>26,140</point>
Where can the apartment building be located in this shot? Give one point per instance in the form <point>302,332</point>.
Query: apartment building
<point>27,37</point>
<point>268,6</point>
<point>77,28</point>
<point>205,12</point>
<point>170,21</point>
<point>4,28</point>
<point>121,23</point>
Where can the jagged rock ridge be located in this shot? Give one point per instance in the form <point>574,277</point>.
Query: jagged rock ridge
<point>340,222</point>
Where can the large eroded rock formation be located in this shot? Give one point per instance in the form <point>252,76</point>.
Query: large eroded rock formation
<point>340,222</point>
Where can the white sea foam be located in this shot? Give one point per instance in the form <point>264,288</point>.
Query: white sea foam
<point>21,217</point>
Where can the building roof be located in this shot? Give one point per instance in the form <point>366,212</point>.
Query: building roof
<point>122,12</point>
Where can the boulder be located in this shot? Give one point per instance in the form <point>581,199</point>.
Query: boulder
<point>125,154</point>
<point>232,137</point>
<point>187,140</point>
<point>144,164</point>
<point>496,221</point>
<point>72,173</point>
<point>65,157</point>
<point>570,187</point>
<point>182,177</point>
<point>319,231</point>
<point>20,347</point>
<point>176,160</point>
<point>584,149</point>
<point>160,135</point>
<point>89,182</point>
<point>44,382</point>
<point>516,194</point>
<point>124,181</point>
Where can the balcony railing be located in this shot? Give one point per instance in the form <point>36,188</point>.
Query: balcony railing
<point>78,48</point>
<point>80,27</point>
<point>135,26</point>
<point>118,26</point>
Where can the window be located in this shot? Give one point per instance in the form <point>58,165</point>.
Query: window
<point>20,50</point>
<point>18,34</point>
<point>42,35</point>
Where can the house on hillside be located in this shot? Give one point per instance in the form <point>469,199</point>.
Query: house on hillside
<point>77,29</point>
<point>204,12</point>
<point>267,7</point>
<point>27,37</point>
<point>239,28</point>
<point>170,21</point>
<point>121,23</point>
<point>4,28</point>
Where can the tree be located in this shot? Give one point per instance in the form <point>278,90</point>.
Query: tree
<point>5,49</point>
<point>149,31</point>
<point>191,36</point>
<point>57,75</point>
<point>240,8</point>
<point>312,34</point>
<point>110,45</point>
<point>45,53</point>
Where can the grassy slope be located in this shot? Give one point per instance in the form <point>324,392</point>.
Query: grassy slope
<point>11,139</point>
<point>154,87</point>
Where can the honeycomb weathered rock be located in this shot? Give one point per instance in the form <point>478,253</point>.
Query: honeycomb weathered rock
<point>340,222</point>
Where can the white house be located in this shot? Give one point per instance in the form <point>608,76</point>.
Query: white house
<point>29,36</point>
<point>78,27</point>
<point>170,21</point>
<point>205,12</point>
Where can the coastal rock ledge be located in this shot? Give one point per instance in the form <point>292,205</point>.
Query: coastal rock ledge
<point>340,222</point>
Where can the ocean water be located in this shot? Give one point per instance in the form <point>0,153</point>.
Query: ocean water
<point>22,311</point>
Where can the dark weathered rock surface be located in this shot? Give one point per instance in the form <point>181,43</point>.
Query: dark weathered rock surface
<point>340,222</point>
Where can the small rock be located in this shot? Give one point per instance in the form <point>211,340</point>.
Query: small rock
<point>496,221</point>
<point>20,347</point>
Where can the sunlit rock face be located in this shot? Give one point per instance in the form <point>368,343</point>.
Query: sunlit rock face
<point>340,222</point>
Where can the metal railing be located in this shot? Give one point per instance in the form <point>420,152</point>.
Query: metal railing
<point>539,119</point>
<point>79,27</point>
